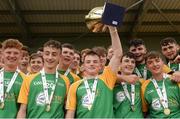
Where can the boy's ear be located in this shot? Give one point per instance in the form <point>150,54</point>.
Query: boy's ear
<point>178,47</point>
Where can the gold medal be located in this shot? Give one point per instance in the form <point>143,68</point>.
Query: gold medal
<point>167,111</point>
<point>89,107</point>
<point>48,108</point>
<point>132,108</point>
<point>1,105</point>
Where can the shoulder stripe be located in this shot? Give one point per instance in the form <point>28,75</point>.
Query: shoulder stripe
<point>67,82</point>
<point>143,89</point>
<point>76,77</point>
<point>71,98</point>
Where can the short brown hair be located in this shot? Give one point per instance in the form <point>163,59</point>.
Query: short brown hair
<point>85,51</point>
<point>166,41</point>
<point>152,55</point>
<point>129,55</point>
<point>91,53</point>
<point>12,43</point>
<point>68,45</point>
<point>136,42</point>
<point>26,50</point>
<point>77,52</point>
<point>100,50</point>
<point>36,55</point>
<point>53,44</point>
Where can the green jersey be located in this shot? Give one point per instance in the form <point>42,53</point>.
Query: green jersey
<point>142,71</point>
<point>122,105</point>
<point>32,94</point>
<point>11,106</point>
<point>102,106</point>
<point>174,67</point>
<point>151,100</point>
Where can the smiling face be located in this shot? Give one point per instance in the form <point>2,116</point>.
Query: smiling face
<point>92,65</point>
<point>76,61</point>
<point>155,65</point>
<point>127,65</point>
<point>139,52</point>
<point>24,62</point>
<point>51,57</point>
<point>170,50</point>
<point>36,64</point>
<point>11,57</point>
<point>67,56</point>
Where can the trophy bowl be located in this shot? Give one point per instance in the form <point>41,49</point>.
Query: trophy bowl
<point>93,20</point>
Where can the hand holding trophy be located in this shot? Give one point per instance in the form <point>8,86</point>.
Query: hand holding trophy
<point>99,17</point>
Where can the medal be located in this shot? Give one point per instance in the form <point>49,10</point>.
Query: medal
<point>91,95</point>
<point>3,93</point>
<point>132,108</point>
<point>48,108</point>
<point>89,107</point>
<point>1,105</point>
<point>167,111</point>
<point>48,98</point>
<point>162,95</point>
<point>131,97</point>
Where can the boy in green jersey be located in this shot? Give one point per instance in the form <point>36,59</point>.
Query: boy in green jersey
<point>170,49</point>
<point>160,96</point>
<point>36,63</point>
<point>127,99</point>
<point>66,61</point>
<point>138,48</point>
<point>75,67</point>
<point>10,78</point>
<point>24,62</point>
<point>92,97</point>
<point>101,51</point>
<point>43,94</point>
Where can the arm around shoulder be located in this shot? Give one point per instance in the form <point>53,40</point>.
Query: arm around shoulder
<point>70,114</point>
<point>22,111</point>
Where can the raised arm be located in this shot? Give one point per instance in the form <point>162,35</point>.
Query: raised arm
<point>117,48</point>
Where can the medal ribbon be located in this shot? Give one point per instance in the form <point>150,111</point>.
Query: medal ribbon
<point>132,98</point>
<point>162,94</point>
<point>91,95</point>
<point>48,98</point>
<point>144,72</point>
<point>2,96</point>
<point>67,71</point>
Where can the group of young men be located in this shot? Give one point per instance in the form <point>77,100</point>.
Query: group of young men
<point>52,84</point>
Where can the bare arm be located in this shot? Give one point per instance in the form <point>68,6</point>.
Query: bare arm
<point>131,79</point>
<point>117,48</point>
<point>70,114</point>
<point>22,111</point>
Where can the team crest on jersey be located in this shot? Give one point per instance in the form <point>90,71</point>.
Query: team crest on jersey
<point>85,101</point>
<point>40,99</point>
<point>120,96</point>
<point>156,104</point>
